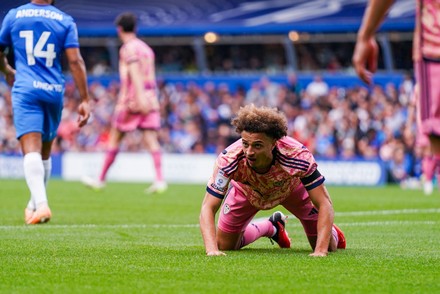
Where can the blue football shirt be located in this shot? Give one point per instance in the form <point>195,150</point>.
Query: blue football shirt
<point>38,35</point>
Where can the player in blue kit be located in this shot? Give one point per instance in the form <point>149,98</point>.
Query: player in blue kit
<point>39,33</point>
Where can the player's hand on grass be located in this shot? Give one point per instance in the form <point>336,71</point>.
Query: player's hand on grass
<point>215,253</point>
<point>84,113</point>
<point>319,254</point>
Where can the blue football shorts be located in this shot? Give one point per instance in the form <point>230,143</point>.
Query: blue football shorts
<point>36,115</point>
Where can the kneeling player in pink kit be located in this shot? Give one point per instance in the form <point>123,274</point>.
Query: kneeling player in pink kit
<point>260,171</point>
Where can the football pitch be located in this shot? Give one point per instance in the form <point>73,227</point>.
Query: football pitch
<point>122,241</point>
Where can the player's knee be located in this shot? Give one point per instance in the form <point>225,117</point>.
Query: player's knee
<point>333,246</point>
<point>228,242</point>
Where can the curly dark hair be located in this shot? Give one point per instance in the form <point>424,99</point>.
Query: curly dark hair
<point>269,121</point>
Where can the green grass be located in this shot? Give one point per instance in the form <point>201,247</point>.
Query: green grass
<point>122,241</point>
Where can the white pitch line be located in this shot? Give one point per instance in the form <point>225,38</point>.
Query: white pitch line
<point>387,223</point>
<point>157,226</point>
<point>388,212</point>
<point>377,212</point>
<point>95,226</point>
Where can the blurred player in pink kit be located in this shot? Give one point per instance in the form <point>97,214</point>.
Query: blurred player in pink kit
<point>430,166</point>
<point>260,171</point>
<point>426,56</point>
<point>138,105</point>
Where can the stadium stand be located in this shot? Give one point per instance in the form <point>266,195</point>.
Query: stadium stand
<point>266,51</point>
<point>192,17</point>
<point>269,36</point>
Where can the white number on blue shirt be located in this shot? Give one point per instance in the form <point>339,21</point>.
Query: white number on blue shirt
<point>37,51</point>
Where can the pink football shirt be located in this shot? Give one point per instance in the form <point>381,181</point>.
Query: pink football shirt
<point>136,51</point>
<point>427,32</point>
<point>293,165</point>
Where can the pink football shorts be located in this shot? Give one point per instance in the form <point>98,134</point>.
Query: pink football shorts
<point>237,212</point>
<point>428,81</point>
<point>126,121</point>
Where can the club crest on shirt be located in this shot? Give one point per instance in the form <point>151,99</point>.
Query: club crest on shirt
<point>226,209</point>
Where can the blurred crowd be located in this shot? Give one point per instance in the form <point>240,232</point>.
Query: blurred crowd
<point>245,58</point>
<point>333,122</point>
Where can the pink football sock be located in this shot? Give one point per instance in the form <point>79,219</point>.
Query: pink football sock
<point>157,160</point>
<point>109,159</point>
<point>255,231</point>
<point>428,167</point>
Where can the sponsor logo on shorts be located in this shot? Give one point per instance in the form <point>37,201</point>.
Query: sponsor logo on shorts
<point>226,209</point>
<point>47,87</point>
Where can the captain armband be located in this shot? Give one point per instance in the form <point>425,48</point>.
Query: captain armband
<point>312,181</point>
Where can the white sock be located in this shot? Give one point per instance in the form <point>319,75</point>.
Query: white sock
<point>31,205</point>
<point>274,230</point>
<point>34,174</point>
<point>47,164</point>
